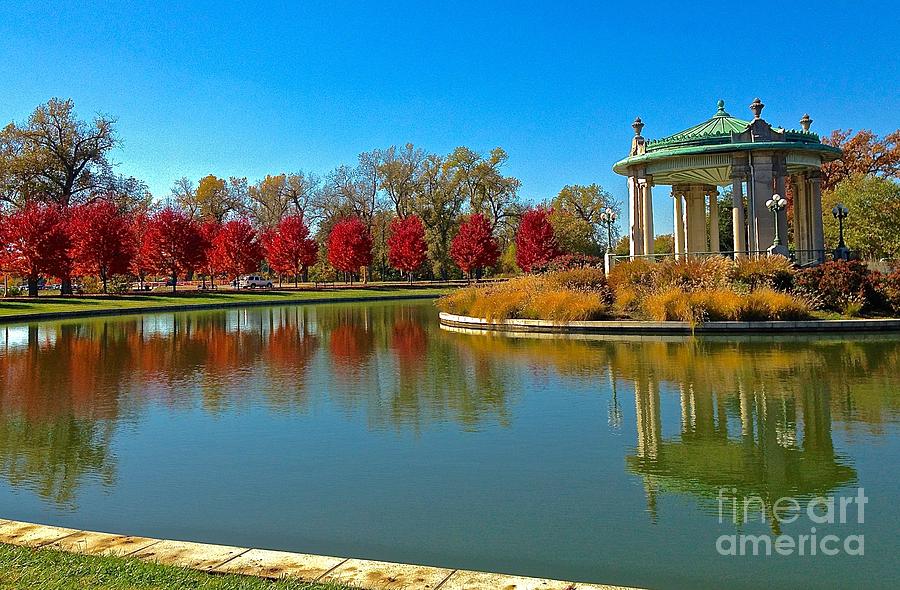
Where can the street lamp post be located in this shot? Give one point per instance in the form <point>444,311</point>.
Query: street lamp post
<point>777,204</point>
<point>840,212</point>
<point>608,218</point>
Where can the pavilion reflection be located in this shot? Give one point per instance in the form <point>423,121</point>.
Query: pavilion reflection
<point>755,416</point>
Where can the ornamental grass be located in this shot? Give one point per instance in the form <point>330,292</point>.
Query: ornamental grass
<point>564,296</point>
<point>694,291</point>
<point>719,305</point>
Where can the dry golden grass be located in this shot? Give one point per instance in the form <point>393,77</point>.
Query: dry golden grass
<point>722,305</point>
<point>768,304</point>
<point>563,296</point>
<point>693,291</point>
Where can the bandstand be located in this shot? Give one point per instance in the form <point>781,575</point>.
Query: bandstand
<point>756,159</point>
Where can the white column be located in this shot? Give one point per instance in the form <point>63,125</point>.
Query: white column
<point>714,221</point>
<point>801,218</point>
<point>678,223</point>
<point>635,216</point>
<point>737,217</point>
<point>817,233</point>
<point>695,219</point>
<point>648,217</point>
<point>761,223</point>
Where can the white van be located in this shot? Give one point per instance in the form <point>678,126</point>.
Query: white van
<point>252,282</point>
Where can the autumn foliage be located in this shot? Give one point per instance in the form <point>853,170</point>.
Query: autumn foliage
<point>349,246</point>
<point>474,246</point>
<point>102,241</point>
<point>235,249</point>
<point>536,243</point>
<point>37,243</point>
<point>406,244</point>
<point>288,247</point>
<point>173,244</point>
<point>863,153</point>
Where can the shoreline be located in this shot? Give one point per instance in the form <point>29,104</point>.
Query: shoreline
<point>359,296</point>
<point>261,563</point>
<point>637,327</point>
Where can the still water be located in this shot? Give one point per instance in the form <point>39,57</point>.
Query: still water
<point>366,430</point>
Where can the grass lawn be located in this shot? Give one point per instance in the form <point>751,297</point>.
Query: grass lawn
<point>22,567</point>
<point>49,304</point>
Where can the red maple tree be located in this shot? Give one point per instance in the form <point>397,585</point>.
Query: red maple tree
<point>406,244</point>
<point>536,243</point>
<point>289,249</point>
<point>349,246</point>
<point>141,265</point>
<point>102,241</point>
<point>236,249</point>
<point>173,244</point>
<point>474,247</point>
<point>209,229</point>
<point>37,243</point>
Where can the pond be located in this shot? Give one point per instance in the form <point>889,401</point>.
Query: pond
<point>367,430</point>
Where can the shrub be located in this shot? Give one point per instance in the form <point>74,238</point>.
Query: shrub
<point>120,284</point>
<point>694,274</point>
<point>570,261</point>
<point>582,279</point>
<point>90,285</point>
<point>634,276</point>
<point>775,272</point>
<point>889,287</point>
<point>676,304</point>
<point>839,284</point>
<point>566,306</point>
<point>769,304</point>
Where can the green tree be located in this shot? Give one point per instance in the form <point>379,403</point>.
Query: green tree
<point>873,226</point>
<point>488,191</point>
<point>587,203</point>
<point>56,157</point>
<point>275,197</point>
<point>439,202</point>
<point>575,235</point>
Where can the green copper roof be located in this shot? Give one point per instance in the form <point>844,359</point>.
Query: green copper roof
<point>719,125</point>
<point>701,154</point>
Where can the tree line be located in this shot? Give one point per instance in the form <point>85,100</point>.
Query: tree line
<point>396,212</point>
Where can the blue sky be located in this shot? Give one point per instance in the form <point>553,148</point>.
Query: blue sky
<point>269,87</point>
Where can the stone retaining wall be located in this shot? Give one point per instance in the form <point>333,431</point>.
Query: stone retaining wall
<point>361,573</point>
<point>639,327</point>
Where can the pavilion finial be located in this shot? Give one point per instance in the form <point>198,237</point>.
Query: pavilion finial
<point>756,106</point>
<point>805,122</point>
<point>638,126</point>
<point>720,109</point>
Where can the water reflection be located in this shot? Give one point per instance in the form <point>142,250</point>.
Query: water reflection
<point>758,416</point>
<point>754,416</point>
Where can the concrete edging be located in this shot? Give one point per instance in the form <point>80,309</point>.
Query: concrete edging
<point>640,327</point>
<point>222,559</point>
<point>59,315</point>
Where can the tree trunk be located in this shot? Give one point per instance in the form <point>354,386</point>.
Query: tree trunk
<point>410,277</point>
<point>32,285</point>
<point>65,286</point>
<point>105,282</point>
<point>174,282</point>
<point>305,275</point>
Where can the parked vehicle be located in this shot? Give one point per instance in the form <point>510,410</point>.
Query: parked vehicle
<point>252,282</point>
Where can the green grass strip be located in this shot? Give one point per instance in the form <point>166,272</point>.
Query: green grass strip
<point>47,569</point>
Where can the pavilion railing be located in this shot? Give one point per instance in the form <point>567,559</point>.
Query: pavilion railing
<point>798,257</point>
